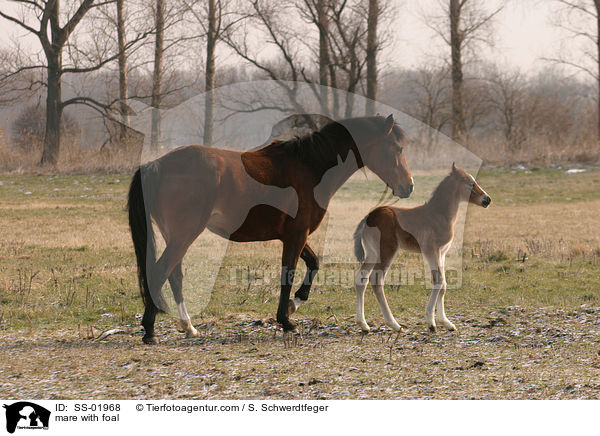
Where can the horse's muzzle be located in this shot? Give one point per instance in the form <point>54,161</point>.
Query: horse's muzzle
<point>403,192</point>
<point>486,200</point>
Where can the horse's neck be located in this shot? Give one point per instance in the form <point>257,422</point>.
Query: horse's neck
<point>333,178</point>
<point>445,202</point>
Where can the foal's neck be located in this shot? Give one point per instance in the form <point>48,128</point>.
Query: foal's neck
<point>445,200</point>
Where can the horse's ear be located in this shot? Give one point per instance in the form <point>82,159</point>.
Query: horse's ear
<point>389,124</point>
<point>453,167</point>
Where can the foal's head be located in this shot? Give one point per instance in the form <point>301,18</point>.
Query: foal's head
<point>384,155</point>
<point>468,188</point>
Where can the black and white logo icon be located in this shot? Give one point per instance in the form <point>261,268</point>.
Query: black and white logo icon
<point>26,415</point>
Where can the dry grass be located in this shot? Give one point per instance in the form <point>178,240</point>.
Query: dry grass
<point>527,310</point>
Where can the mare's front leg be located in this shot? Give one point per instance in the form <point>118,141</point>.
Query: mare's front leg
<point>292,247</point>
<point>312,267</point>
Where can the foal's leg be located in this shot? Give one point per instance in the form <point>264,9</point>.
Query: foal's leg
<point>361,282</point>
<point>291,253</point>
<point>176,282</point>
<point>440,312</point>
<point>434,261</point>
<point>312,267</point>
<point>376,279</point>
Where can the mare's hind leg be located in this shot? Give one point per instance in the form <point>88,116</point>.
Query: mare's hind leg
<point>176,282</point>
<point>312,267</point>
<point>157,275</point>
<point>440,313</point>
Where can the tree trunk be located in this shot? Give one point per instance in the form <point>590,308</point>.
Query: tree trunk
<point>53,110</point>
<point>122,60</point>
<point>372,18</point>
<point>209,103</point>
<point>323,20</point>
<point>597,4</point>
<point>157,75</point>
<point>456,42</point>
<point>335,110</point>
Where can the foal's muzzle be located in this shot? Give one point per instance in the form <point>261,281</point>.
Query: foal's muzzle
<point>486,200</point>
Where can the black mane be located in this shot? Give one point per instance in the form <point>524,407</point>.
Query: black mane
<point>320,149</point>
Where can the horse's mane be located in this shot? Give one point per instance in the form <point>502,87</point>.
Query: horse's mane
<point>441,187</point>
<point>319,149</point>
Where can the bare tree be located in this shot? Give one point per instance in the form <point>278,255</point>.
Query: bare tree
<point>287,68</point>
<point>508,97</point>
<point>215,20</point>
<point>122,60</point>
<point>42,18</point>
<point>372,47</point>
<point>159,29</point>
<point>581,19</point>
<point>463,24</point>
<point>431,97</point>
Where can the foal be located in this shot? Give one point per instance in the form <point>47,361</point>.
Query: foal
<point>426,229</point>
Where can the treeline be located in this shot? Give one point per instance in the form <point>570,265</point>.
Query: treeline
<point>106,56</point>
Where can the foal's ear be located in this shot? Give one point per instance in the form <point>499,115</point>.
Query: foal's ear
<point>389,124</point>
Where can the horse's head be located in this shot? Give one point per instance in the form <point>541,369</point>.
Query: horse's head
<point>469,189</point>
<point>385,156</point>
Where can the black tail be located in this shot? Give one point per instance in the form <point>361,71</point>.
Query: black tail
<point>143,239</point>
<point>359,250</point>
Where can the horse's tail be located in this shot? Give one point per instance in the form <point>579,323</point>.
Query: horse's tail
<point>143,241</point>
<point>359,249</point>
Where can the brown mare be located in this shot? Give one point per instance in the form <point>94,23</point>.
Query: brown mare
<point>280,191</point>
<point>426,229</point>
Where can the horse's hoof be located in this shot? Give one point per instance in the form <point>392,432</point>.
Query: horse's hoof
<point>432,329</point>
<point>291,307</point>
<point>192,333</point>
<point>150,340</point>
<point>294,305</point>
<point>289,326</point>
<point>448,325</point>
<point>398,329</point>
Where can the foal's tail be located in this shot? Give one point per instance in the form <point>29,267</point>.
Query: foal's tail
<point>143,241</point>
<point>359,249</point>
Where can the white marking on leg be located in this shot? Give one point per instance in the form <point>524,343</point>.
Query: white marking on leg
<point>377,285</point>
<point>440,311</point>
<point>297,302</point>
<point>434,266</point>
<point>362,277</point>
<point>185,322</point>
<point>441,314</point>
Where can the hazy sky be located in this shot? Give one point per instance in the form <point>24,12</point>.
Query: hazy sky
<point>524,32</point>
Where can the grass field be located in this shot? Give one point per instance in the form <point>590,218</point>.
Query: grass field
<point>527,312</point>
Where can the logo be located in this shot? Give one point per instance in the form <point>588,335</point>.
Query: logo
<point>26,415</point>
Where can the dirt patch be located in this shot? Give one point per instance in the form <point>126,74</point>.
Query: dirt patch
<point>508,354</point>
